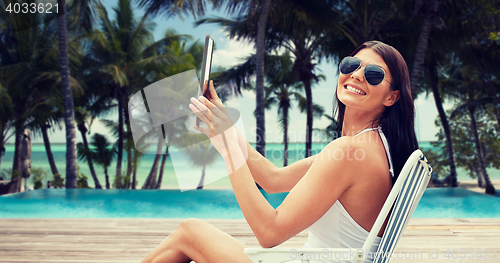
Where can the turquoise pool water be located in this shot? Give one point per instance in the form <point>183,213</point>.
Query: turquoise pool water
<point>90,203</point>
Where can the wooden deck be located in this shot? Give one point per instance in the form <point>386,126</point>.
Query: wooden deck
<point>129,240</point>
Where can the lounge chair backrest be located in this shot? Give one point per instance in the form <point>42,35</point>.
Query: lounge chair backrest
<point>407,191</point>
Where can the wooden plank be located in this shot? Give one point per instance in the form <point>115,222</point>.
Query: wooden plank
<point>129,240</point>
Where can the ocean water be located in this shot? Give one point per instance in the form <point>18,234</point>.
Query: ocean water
<point>183,167</point>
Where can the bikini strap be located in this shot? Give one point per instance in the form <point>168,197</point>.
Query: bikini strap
<point>387,150</point>
<point>367,129</point>
<point>385,143</point>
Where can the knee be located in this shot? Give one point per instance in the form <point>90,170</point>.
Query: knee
<point>188,228</point>
<point>191,224</point>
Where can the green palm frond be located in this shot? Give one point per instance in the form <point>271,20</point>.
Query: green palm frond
<point>112,125</point>
<point>103,153</point>
<point>119,77</point>
<point>318,110</point>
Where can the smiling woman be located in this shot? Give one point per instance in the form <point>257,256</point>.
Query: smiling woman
<point>336,194</point>
<point>395,105</point>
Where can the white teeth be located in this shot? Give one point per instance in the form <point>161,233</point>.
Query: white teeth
<point>355,90</point>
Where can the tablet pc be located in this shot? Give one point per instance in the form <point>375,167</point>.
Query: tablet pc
<point>206,66</point>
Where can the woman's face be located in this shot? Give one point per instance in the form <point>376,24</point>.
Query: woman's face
<point>355,92</point>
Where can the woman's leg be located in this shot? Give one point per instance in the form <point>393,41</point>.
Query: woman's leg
<point>199,241</point>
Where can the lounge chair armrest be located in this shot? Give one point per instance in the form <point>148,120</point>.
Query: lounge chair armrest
<point>279,255</point>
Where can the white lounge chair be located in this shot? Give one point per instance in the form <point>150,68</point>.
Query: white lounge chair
<point>403,200</point>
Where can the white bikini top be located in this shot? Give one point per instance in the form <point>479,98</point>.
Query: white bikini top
<point>337,229</point>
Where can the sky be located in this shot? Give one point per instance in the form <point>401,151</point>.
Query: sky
<point>230,52</point>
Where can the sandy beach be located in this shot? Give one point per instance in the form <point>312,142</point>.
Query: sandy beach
<point>472,185</point>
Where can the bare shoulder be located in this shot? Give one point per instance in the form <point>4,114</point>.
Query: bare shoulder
<point>358,155</point>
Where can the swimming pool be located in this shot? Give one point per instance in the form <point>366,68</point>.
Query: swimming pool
<point>91,203</point>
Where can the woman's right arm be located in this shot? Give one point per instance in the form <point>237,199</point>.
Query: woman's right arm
<point>265,173</point>
<point>270,177</point>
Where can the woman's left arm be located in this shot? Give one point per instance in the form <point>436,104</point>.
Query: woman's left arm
<point>327,178</point>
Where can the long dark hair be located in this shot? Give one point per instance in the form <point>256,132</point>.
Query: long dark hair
<point>398,120</point>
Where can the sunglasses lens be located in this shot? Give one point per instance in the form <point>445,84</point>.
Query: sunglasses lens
<point>349,65</point>
<point>374,75</point>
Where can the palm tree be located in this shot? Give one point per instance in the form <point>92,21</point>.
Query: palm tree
<point>102,154</point>
<point>69,112</point>
<point>5,120</point>
<point>133,153</point>
<point>445,68</point>
<point>150,182</point>
<point>162,168</point>
<point>94,101</point>
<point>170,133</point>
<point>281,91</point>
<point>124,48</point>
<point>135,162</point>
<point>355,22</point>
<point>281,96</point>
<point>47,115</point>
<point>434,83</point>
<point>470,89</point>
<point>191,56</point>
<point>300,28</point>
<point>81,119</point>
<point>259,87</point>
<point>431,12</point>
<point>469,108</point>
<point>25,59</point>
<point>174,131</point>
<point>448,52</point>
<point>170,8</point>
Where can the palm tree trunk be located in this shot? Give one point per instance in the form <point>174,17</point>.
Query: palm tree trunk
<point>444,122</point>
<point>418,62</point>
<point>16,166</point>
<point>285,136</point>
<point>50,156</point>
<point>309,116</point>
<point>134,176</point>
<point>162,167</point>
<point>107,177</point>
<point>119,155</point>
<point>129,149</point>
<point>83,131</point>
<point>259,89</point>
<point>2,146</point>
<point>151,180</point>
<point>480,179</point>
<point>497,113</point>
<point>489,187</point>
<point>202,180</point>
<point>69,112</point>
<point>129,169</point>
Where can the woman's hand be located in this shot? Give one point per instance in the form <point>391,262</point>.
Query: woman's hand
<point>221,129</point>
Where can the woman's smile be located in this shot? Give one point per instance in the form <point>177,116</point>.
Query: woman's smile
<point>354,89</point>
